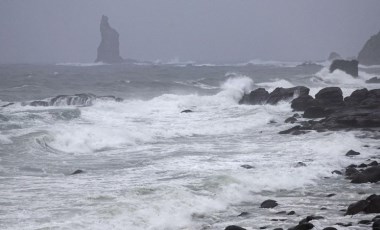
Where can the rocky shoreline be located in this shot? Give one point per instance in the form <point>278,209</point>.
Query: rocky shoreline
<point>330,111</point>
<point>368,207</point>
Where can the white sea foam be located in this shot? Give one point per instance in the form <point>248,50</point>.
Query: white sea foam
<point>196,83</point>
<point>135,121</point>
<point>152,167</point>
<point>341,78</point>
<point>273,63</point>
<point>4,139</point>
<point>369,66</point>
<point>276,83</point>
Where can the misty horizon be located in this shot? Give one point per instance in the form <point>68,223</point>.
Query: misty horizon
<point>200,31</point>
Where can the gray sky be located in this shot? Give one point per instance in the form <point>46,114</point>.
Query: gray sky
<point>198,30</point>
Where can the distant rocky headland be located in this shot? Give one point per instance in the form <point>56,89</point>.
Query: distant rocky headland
<point>370,53</point>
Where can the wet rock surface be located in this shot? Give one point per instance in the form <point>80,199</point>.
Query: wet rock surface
<point>350,67</point>
<point>261,96</point>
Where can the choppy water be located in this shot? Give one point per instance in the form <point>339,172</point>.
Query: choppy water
<point>148,166</point>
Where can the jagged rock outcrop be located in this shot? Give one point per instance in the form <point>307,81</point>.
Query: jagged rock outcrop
<point>303,102</point>
<point>370,205</point>
<point>359,110</point>
<point>108,50</point>
<point>350,67</point>
<point>256,97</point>
<point>370,53</point>
<point>82,99</point>
<point>280,94</point>
<point>333,56</point>
<point>261,96</point>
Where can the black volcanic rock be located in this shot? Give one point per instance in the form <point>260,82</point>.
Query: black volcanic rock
<point>330,96</point>
<point>108,50</point>
<point>370,205</point>
<point>357,207</point>
<point>261,96</point>
<point>234,227</point>
<point>316,112</point>
<point>364,98</point>
<point>352,153</point>
<point>353,118</point>
<point>256,97</point>
<point>370,53</point>
<point>303,102</point>
<point>280,94</point>
<point>349,67</point>
<point>291,120</point>
<point>371,174</point>
<point>356,97</point>
<point>376,225</point>
<point>78,171</point>
<point>304,226</point>
<point>269,204</point>
<point>374,204</point>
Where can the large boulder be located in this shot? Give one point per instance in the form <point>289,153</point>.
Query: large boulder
<point>349,67</point>
<point>371,174</point>
<point>256,97</point>
<point>370,205</point>
<point>330,96</point>
<point>356,97</point>
<point>108,50</point>
<point>374,204</point>
<point>280,94</point>
<point>370,53</point>
<point>303,102</point>
<point>269,204</point>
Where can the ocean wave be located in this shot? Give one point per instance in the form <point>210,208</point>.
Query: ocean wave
<point>110,125</point>
<point>5,139</point>
<point>197,83</point>
<point>78,64</point>
<point>83,99</point>
<point>272,63</point>
<point>276,83</point>
<point>341,78</point>
<point>369,66</point>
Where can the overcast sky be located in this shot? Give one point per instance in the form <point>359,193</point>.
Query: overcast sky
<point>197,30</point>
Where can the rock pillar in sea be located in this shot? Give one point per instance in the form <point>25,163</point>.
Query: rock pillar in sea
<point>108,50</point>
<point>370,54</point>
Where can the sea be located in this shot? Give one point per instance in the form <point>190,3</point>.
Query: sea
<point>146,165</point>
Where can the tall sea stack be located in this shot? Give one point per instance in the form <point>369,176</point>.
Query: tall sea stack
<point>108,50</point>
<point>370,54</point>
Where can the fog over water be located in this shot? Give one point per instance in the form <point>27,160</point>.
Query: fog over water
<point>204,31</point>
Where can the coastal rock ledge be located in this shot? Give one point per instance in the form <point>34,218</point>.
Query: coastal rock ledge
<point>108,50</point>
